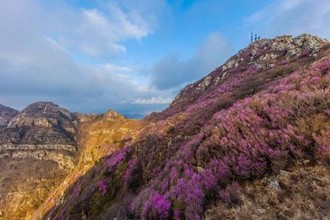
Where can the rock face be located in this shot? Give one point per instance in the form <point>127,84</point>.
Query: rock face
<point>42,131</point>
<point>98,136</point>
<point>37,150</point>
<point>6,114</point>
<point>262,114</point>
<point>45,148</point>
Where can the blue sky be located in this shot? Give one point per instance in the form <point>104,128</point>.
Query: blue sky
<point>132,56</point>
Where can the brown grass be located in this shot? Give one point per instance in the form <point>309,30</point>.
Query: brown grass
<point>302,193</point>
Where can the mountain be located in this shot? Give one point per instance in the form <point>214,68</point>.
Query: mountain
<point>37,150</point>
<point>249,140</point>
<point>42,131</point>
<point>6,114</point>
<point>45,147</point>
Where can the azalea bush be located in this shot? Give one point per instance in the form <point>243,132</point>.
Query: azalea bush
<point>260,134</point>
<point>255,122</point>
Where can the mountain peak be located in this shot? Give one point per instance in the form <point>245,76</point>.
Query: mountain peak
<point>45,114</point>
<point>41,107</point>
<point>112,115</point>
<point>6,113</point>
<point>261,55</point>
<point>267,53</point>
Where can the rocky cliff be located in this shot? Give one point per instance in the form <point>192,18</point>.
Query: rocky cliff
<point>37,150</point>
<point>245,134</point>
<point>41,131</point>
<point>6,114</point>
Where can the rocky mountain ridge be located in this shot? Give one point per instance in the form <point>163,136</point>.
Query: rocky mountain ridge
<point>42,131</point>
<point>6,114</point>
<point>261,55</point>
<point>37,150</point>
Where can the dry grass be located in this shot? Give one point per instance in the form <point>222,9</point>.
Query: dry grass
<point>300,193</point>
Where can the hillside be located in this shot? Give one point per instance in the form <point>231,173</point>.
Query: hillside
<point>6,114</point>
<point>40,149</point>
<point>250,139</point>
<point>99,136</point>
<point>37,150</point>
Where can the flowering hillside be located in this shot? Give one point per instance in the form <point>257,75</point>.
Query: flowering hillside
<point>260,114</point>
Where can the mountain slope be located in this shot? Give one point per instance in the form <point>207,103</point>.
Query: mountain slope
<point>37,150</point>
<point>98,136</point>
<point>264,112</point>
<point>41,131</point>
<point>45,148</point>
<point>6,114</point>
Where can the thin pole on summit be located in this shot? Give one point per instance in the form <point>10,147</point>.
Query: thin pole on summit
<point>251,37</point>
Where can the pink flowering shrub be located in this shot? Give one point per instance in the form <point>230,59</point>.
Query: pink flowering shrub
<point>118,157</point>
<point>102,186</point>
<point>259,134</point>
<point>151,205</point>
<point>254,122</point>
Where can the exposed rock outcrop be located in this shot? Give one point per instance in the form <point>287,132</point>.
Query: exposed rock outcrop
<point>41,131</point>
<point>6,114</point>
<point>42,139</point>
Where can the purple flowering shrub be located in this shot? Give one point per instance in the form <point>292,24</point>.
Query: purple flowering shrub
<point>102,187</point>
<point>151,205</point>
<point>118,157</point>
<point>257,135</point>
<point>256,121</point>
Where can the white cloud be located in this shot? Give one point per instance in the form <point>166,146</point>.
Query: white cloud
<point>292,17</point>
<point>171,72</point>
<point>99,33</point>
<point>42,51</point>
<point>153,100</point>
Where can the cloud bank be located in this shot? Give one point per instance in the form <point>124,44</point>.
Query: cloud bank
<point>74,53</point>
<point>47,52</point>
<point>171,72</point>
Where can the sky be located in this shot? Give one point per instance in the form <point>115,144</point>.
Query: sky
<point>132,56</point>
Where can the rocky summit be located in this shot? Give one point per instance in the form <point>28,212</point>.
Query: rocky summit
<point>41,131</point>
<point>249,140</point>
<point>6,114</point>
<point>37,150</point>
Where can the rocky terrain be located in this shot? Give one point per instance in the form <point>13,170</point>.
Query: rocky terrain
<point>98,136</point>
<point>41,131</point>
<point>6,114</point>
<point>44,148</point>
<point>37,150</point>
<point>250,140</point>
